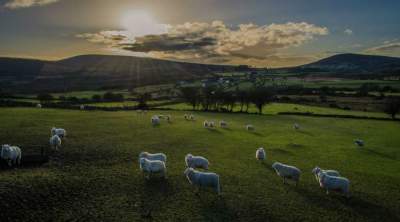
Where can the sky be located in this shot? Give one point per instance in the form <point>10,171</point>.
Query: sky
<point>261,33</point>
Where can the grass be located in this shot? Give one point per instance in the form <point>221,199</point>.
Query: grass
<point>275,108</point>
<point>98,179</point>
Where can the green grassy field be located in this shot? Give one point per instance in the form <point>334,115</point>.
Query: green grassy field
<point>98,178</point>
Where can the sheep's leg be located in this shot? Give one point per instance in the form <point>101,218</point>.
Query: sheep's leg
<point>9,163</point>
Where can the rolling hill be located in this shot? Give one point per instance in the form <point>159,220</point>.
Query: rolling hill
<point>90,72</point>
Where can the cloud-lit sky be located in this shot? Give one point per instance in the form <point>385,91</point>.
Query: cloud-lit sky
<point>261,33</point>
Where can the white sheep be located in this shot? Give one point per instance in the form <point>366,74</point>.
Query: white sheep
<point>150,167</point>
<point>250,127</point>
<point>191,117</point>
<point>333,183</point>
<point>62,133</point>
<point>55,142</point>
<point>317,172</point>
<point>359,142</point>
<point>196,161</point>
<point>203,179</point>
<point>82,107</point>
<point>11,154</point>
<point>296,126</point>
<point>155,120</point>
<point>205,123</point>
<point>260,154</point>
<point>287,172</point>
<point>223,124</point>
<point>186,116</point>
<point>153,156</point>
<point>39,105</point>
<point>211,124</point>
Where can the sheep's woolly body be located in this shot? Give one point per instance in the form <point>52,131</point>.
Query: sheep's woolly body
<point>153,166</point>
<point>55,142</point>
<point>153,156</point>
<point>155,120</point>
<point>287,171</point>
<point>223,124</point>
<point>332,183</point>
<point>318,171</point>
<point>249,127</point>
<point>196,161</point>
<point>11,154</point>
<point>260,154</point>
<point>203,179</point>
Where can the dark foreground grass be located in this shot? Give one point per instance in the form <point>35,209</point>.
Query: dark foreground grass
<point>96,176</point>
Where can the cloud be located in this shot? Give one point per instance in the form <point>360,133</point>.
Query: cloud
<point>214,42</point>
<point>16,4</point>
<point>389,48</point>
<point>348,31</point>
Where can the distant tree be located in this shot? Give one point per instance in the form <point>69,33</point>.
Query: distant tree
<point>44,97</point>
<point>96,98</point>
<point>62,98</point>
<point>143,99</point>
<point>392,107</point>
<point>261,96</point>
<point>109,96</point>
<point>190,95</point>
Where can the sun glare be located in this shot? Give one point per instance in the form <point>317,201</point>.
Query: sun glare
<point>140,22</point>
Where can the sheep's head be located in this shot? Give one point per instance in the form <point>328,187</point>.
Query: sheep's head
<point>142,162</point>
<point>188,171</point>
<point>53,131</point>
<point>316,170</point>
<point>5,151</point>
<point>276,165</point>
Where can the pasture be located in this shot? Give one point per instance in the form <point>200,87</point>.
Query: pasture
<point>96,175</point>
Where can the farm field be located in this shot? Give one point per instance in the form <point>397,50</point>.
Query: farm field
<point>97,177</point>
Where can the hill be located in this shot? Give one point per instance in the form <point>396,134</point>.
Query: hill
<point>355,63</point>
<point>91,72</point>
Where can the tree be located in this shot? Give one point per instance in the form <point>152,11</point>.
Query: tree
<point>96,98</point>
<point>392,106</point>
<point>142,99</point>
<point>44,97</point>
<point>261,96</point>
<point>190,95</point>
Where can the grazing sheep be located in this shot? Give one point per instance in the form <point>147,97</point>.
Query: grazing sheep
<point>150,167</point>
<point>296,126</point>
<point>55,142</point>
<point>211,124</point>
<point>62,133</point>
<point>287,172</point>
<point>168,118</point>
<point>333,183</point>
<point>223,124</point>
<point>154,156</point>
<point>11,154</point>
<point>317,172</point>
<point>191,117</point>
<point>196,161</point>
<point>155,120</point>
<point>82,107</point>
<point>186,116</point>
<point>250,127</point>
<point>359,142</point>
<point>39,105</point>
<point>205,124</point>
<point>203,179</point>
<point>260,154</point>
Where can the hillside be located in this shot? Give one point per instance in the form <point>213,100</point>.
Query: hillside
<point>356,63</point>
<point>90,72</point>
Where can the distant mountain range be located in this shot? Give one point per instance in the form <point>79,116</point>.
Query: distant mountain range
<point>90,72</point>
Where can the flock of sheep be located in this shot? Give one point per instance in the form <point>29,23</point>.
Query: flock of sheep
<point>330,180</point>
<point>156,163</point>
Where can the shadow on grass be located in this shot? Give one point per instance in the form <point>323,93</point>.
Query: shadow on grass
<point>214,130</point>
<point>281,151</point>
<point>355,204</point>
<point>215,208</point>
<point>383,155</point>
<point>255,133</point>
<point>294,145</point>
<point>156,191</point>
<point>305,132</point>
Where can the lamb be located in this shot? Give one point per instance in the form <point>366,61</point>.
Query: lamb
<point>223,124</point>
<point>287,172</point>
<point>203,179</point>
<point>317,172</point>
<point>260,154</point>
<point>149,167</point>
<point>359,142</point>
<point>155,120</point>
<point>55,142</point>
<point>11,154</point>
<point>39,105</point>
<point>62,133</point>
<point>154,156</point>
<point>296,126</point>
<point>333,183</point>
<point>196,161</point>
<point>250,127</point>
